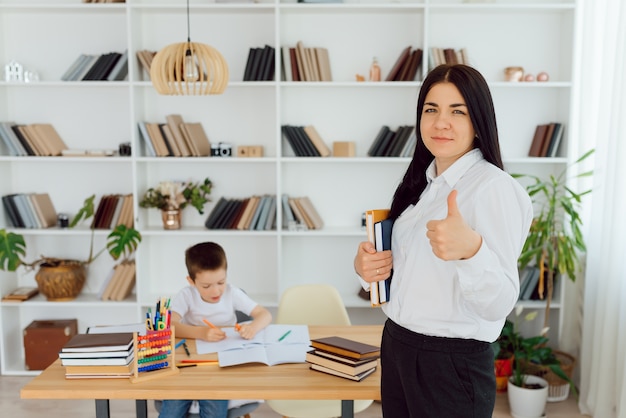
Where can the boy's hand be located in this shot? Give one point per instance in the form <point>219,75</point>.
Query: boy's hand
<point>247,331</point>
<point>213,334</point>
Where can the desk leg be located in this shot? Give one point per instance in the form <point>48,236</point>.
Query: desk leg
<point>347,409</point>
<point>141,408</point>
<point>102,408</point>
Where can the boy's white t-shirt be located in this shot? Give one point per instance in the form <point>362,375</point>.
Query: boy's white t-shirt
<point>190,306</point>
<point>193,310</point>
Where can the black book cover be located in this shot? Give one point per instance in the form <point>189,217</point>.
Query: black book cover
<point>377,141</point>
<point>23,141</point>
<point>387,140</point>
<point>219,206</point>
<point>268,71</point>
<point>11,211</point>
<point>311,151</point>
<point>225,214</point>
<point>249,64</point>
<point>256,63</point>
<point>108,65</point>
<point>293,142</point>
<point>231,211</point>
<point>95,68</point>
<point>265,55</point>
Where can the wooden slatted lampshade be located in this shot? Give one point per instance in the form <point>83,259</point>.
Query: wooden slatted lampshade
<point>189,68</point>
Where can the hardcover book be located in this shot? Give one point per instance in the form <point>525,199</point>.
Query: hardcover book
<point>346,347</point>
<point>340,366</point>
<point>81,343</point>
<point>328,370</point>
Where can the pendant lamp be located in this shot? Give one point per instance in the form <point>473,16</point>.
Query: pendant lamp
<point>189,68</point>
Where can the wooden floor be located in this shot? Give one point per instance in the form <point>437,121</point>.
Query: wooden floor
<point>12,406</point>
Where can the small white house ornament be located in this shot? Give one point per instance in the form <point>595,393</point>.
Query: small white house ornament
<point>14,71</point>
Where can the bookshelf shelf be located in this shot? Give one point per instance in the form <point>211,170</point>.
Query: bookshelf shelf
<point>536,35</point>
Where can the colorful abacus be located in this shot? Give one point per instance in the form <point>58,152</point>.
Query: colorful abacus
<point>154,355</point>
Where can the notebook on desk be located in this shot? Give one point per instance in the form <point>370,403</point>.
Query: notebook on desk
<point>276,344</point>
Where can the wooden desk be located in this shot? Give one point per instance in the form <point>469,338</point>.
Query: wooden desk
<point>249,381</point>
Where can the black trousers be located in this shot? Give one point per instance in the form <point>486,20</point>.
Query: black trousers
<point>435,377</point>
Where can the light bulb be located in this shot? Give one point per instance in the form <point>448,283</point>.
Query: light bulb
<point>191,69</point>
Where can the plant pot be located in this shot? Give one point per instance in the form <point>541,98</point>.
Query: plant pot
<point>503,368</point>
<point>171,218</point>
<point>528,403</point>
<point>558,389</point>
<point>61,280</point>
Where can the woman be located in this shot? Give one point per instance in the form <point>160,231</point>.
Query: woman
<point>460,222</point>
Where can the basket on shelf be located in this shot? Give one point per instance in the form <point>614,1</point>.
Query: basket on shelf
<point>558,389</point>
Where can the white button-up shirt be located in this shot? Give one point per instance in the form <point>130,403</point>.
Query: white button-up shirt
<point>462,298</point>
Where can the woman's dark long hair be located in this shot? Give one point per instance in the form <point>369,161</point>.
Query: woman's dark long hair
<point>475,92</point>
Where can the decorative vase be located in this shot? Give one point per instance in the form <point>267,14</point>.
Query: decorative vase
<point>528,402</point>
<point>171,218</point>
<point>61,280</point>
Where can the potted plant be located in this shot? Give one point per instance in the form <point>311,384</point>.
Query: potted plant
<point>555,240</point>
<point>527,388</point>
<point>503,351</point>
<point>62,279</point>
<point>172,197</point>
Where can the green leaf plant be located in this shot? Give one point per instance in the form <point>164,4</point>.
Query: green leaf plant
<point>531,351</point>
<point>555,239</point>
<point>122,242</point>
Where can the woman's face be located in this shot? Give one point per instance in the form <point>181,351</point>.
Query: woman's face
<point>445,125</point>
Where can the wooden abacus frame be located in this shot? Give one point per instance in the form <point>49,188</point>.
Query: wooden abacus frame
<point>154,355</point>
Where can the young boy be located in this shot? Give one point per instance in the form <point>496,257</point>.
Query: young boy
<point>210,298</point>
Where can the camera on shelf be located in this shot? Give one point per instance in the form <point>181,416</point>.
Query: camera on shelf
<point>221,149</point>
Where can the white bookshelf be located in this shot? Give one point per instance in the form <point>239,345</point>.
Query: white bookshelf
<point>534,34</point>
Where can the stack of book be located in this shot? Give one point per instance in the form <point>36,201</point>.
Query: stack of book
<point>300,213</point>
<point>145,58</point>
<point>98,356</point>
<point>343,357</point>
<point>378,227</point>
<point>439,56</point>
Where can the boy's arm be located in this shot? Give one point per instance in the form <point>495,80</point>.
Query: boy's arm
<point>261,318</point>
<point>198,332</point>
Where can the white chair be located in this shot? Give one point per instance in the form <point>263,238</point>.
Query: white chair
<point>312,304</point>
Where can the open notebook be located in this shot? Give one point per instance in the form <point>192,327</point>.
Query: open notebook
<point>265,347</point>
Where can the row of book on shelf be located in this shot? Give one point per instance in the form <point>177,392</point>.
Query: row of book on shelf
<point>260,64</point>
<point>114,209</point>
<point>378,227</point>
<point>305,141</point>
<point>110,66</point>
<point>259,213</point>
<point>343,357</point>
<point>390,143</point>
<point>300,63</point>
<point>407,65</point>
<point>35,139</point>
<point>529,283</point>
<point>29,210</point>
<point>174,138</point>
<point>546,140</point>
<point>439,56</point>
